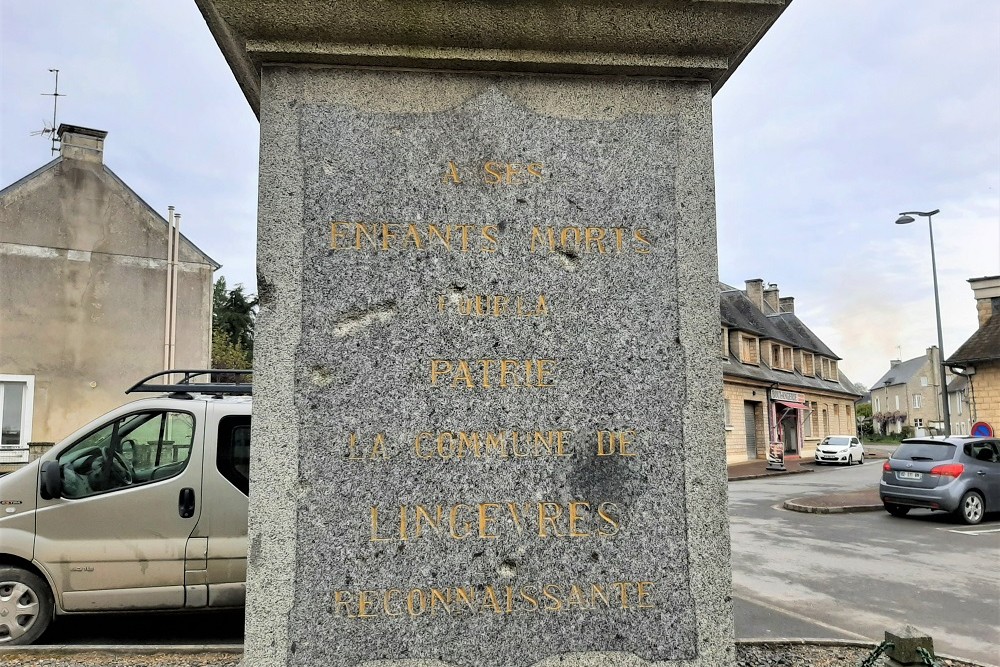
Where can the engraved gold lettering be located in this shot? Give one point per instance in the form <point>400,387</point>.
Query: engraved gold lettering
<point>493,175</point>
<point>535,169</point>
<point>609,512</point>
<point>490,600</point>
<point>363,604</point>
<point>343,599</point>
<point>642,593</point>
<point>453,523</point>
<point>374,522</point>
<point>440,597</point>
<point>485,520</point>
<point>492,242</point>
<point>387,599</point>
<point>641,238</point>
<point>550,519</point>
<point>597,593</point>
<point>611,443</point>
<point>412,608</point>
<point>424,516</point>
<point>439,367</point>
<point>470,374</point>
<point>413,236</point>
<point>529,595</point>
<point>337,235</point>
<point>574,518</point>
<point>451,175</point>
<point>555,598</point>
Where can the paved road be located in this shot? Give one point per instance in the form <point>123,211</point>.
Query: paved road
<point>859,574</point>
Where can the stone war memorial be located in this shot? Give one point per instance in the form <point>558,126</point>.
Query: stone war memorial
<point>488,387</point>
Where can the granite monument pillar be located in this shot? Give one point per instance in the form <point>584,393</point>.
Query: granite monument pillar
<point>487,400</point>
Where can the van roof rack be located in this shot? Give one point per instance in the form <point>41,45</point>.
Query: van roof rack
<point>220,381</point>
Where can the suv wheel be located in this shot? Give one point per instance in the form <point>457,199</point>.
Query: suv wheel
<point>971,509</point>
<point>25,606</point>
<point>896,510</point>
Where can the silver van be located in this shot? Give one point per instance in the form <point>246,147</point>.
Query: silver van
<point>144,508</point>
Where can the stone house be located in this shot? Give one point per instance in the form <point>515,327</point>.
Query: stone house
<point>84,266</point>
<point>978,359</point>
<point>909,393</point>
<point>781,383</point>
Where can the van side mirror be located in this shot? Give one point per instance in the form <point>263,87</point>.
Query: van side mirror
<point>51,482</point>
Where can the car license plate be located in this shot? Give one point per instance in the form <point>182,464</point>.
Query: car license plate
<point>909,475</point>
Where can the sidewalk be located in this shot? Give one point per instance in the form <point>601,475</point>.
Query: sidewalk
<point>865,500</point>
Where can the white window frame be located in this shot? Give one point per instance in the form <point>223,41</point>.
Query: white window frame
<point>923,380</point>
<point>916,401</point>
<point>897,402</point>
<point>918,422</point>
<point>27,410</point>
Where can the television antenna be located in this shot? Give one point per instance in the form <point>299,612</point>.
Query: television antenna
<point>46,128</point>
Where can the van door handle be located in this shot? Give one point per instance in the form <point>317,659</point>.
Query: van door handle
<point>185,503</point>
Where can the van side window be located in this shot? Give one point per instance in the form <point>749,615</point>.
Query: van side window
<point>233,458</point>
<point>135,449</point>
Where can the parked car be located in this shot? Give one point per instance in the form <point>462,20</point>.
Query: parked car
<point>844,449</point>
<point>953,474</point>
<point>144,508</point>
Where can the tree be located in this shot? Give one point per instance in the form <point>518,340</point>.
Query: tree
<point>233,317</point>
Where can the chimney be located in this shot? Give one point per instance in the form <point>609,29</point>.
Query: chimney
<point>81,143</point>
<point>894,363</point>
<point>771,297</point>
<point>755,292</point>
<point>787,304</point>
<point>987,293</point>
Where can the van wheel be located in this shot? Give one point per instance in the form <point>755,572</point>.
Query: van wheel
<point>25,606</point>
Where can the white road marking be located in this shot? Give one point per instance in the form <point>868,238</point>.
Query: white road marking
<point>972,530</point>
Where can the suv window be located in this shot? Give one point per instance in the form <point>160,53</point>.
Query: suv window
<point>981,451</point>
<point>135,449</point>
<point>233,458</point>
<point>925,451</point>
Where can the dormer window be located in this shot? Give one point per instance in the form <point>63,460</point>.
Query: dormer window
<point>749,349</point>
<point>781,357</point>
<point>725,343</point>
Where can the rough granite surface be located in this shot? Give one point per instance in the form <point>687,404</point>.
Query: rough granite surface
<point>526,554</point>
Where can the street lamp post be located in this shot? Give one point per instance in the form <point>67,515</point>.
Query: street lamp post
<point>905,219</point>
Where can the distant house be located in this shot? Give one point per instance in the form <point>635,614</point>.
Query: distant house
<point>83,306</point>
<point>781,383</point>
<point>978,359</point>
<point>909,393</point>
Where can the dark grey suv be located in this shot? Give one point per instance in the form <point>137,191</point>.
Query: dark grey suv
<point>955,474</point>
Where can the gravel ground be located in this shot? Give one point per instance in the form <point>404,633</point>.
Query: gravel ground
<point>767,655</point>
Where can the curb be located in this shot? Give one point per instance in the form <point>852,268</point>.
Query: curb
<point>851,643</point>
<point>837,509</point>
<point>768,474</point>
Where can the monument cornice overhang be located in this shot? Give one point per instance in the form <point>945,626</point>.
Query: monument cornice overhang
<point>688,39</point>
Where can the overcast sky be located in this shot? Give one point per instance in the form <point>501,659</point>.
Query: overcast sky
<point>847,113</point>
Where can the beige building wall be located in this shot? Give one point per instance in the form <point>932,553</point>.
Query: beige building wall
<point>737,397</point>
<point>83,264</point>
<point>986,385</point>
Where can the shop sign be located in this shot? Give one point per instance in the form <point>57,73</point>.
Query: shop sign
<point>780,395</point>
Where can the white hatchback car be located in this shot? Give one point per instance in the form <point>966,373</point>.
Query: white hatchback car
<point>845,449</point>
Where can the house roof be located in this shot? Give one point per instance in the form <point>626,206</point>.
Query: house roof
<point>51,165</point>
<point>983,345</point>
<point>901,373</point>
<point>739,312</point>
<point>763,373</point>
